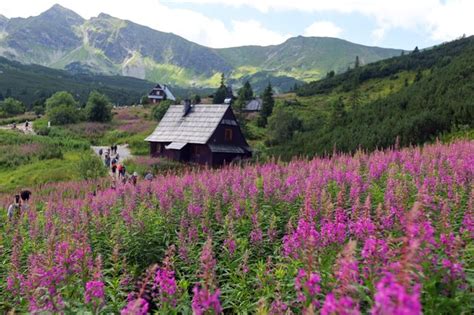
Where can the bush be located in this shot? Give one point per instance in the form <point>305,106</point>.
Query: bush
<point>98,107</point>
<point>281,125</point>
<point>60,99</point>
<point>11,107</point>
<point>91,167</point>
<point>160,110</point>
<point>63,115</point>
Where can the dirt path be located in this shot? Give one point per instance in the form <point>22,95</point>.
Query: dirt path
<point>122,150</point>
<point>20,127</point>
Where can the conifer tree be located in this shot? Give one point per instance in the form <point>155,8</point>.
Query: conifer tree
<point>221,92</point>
<point>357,62</point>
<point>267,105</point>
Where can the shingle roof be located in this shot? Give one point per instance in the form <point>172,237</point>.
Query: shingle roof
<point>176,145</point>
<point>254,105</point>
<point>222,148</point>
<point>196,127</point>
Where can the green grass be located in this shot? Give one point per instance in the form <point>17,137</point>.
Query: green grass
<point>41,172</point>
<point>55,160</point>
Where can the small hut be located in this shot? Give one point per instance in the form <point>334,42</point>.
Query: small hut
<point>254,105</point>
<point>202,133</point>
<point>160,93</point>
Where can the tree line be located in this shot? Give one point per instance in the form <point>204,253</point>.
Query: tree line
<point>440,99</point>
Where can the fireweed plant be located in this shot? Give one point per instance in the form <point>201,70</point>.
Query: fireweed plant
<point>389,232</point>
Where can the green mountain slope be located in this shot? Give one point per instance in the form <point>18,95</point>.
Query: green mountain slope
<point>414,98</point>
<point>305,58</point>
<point>29,83</point>
<point>60,38</point>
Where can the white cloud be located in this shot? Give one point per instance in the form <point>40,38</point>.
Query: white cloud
<point>441,19</point>
<point>189,24</point>
<point>452,19</point>
<point>323,29</point>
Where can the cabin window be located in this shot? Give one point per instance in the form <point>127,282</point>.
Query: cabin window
<point>228,134</point>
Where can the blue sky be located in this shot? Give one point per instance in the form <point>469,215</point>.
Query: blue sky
<point>224,23</point>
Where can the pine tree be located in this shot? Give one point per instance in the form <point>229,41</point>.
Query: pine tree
<point>267,105</point>
<point>418,75</point>
<point>354,98</point>
<point>357,62</point>
<point>416,50</point>
<point>338,113</point>
<point>221,92</point>
<point>245,94</point>
<point>197,99</point>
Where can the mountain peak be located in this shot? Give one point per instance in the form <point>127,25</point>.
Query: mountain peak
<point>58,8</point>
<point>104,15</point>
<point>58,11</point>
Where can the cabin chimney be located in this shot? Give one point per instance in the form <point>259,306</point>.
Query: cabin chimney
<point>187,107</point>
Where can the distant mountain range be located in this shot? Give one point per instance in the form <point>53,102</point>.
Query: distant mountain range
<point>60,38</point>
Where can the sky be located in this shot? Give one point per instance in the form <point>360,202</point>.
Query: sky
<point>228,23</point>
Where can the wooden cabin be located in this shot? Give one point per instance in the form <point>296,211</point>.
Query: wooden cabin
<point>160,93</point>
<point>254,105</point>
<point>202,133</point>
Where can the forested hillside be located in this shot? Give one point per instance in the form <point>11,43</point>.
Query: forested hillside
<point>30,83</point>
<point>414,98</point>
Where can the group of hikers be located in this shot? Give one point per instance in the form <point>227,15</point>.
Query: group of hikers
<point>20,204</point>
<point>27,125</point>
<point>118,169</point>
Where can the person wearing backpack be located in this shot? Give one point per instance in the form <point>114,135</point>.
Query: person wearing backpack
<point>123,170</point>
<point>107,160</point>
<point>14,208</point>
<point>100,152</point>
<point>114,167</point>
<point>25,200</point>
<point>119,170</point>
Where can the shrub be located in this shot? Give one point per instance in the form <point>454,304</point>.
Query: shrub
<point>160,110</point>
<point>98,107</point>
<point>11,107</point>
<point>90,167</point>
<point>60,99</point>
<point>63,115</point>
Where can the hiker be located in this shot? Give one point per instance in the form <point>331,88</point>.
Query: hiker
<point>114,167</point>
<point>134,178</point>
<point>14,207</point>
<point>117,157</point>
<point>112,149</point>
<point>107,161</point>
<point>25,200</point>
<point>14,126</point>
<point>121,170</point>
<point>149,176</point>
<point>27,123</point>
<point>100,152</point>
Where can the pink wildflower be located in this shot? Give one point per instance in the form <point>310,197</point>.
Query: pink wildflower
<point>135,307</point>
